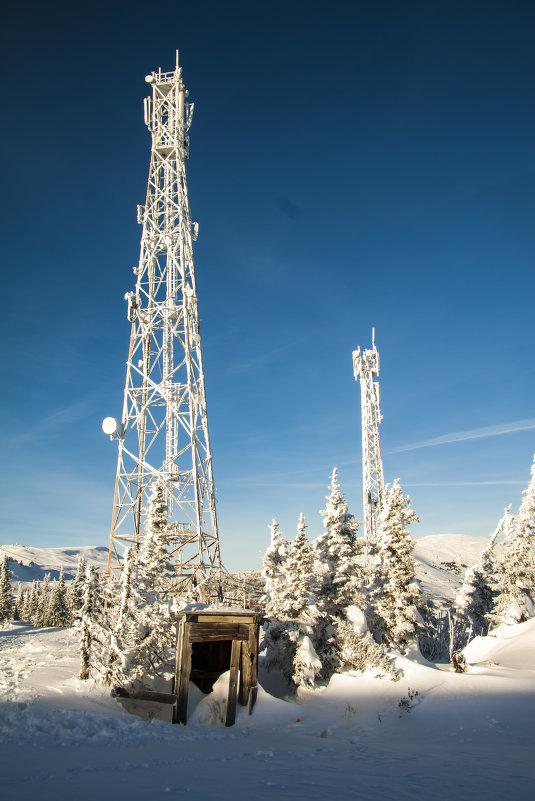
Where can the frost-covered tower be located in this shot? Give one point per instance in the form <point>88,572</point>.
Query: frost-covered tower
<point>163,432</point>
<point>366,367</point>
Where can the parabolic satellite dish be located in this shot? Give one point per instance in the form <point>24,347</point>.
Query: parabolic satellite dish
<point>110,425</point>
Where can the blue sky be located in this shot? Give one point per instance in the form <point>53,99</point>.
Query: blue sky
<point>352,165</point>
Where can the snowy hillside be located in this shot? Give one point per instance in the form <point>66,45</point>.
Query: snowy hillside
<point>433,734</point>
<point>29,564</point>
<point>441,561</point>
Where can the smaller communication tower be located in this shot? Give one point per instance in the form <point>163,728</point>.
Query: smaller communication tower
<point>366,368</point>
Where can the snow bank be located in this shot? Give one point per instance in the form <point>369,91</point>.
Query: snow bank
<point>508,646</point>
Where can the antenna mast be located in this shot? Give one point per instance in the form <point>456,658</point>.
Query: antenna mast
<point>163,432</point>
<point>366,367</point>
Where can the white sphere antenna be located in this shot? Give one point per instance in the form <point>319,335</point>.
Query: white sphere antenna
<point>110,425</point>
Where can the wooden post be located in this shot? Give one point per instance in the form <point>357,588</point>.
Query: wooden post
<point>183,670</point>
<point>245,674</point>
<point>233,682</point>
<point>253,653</point>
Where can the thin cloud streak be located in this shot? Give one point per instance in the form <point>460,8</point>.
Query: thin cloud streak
<point>464,484</point>
<point>474,433</point>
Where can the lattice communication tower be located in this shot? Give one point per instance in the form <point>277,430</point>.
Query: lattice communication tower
<point>366,368</point>
<point>163,433</point>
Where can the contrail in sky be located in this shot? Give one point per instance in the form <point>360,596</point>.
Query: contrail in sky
<point>474,433</point>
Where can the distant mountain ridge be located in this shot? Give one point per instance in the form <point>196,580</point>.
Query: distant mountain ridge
<point>28,563</point>
<point>441,561</point>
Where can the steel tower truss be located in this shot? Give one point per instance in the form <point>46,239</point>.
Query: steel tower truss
<point>163,433</point>
<point>366,367</point>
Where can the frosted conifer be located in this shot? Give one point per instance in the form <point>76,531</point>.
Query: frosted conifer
<point>58,612</point>
<point>306,663</point>
<point>41,616</point>
<point>76,590</point>
<point>357,650</point>
<point>339,576</point>
<point>30,605</point>
<point>299,604</point>
<point>336,553</point>
<point>274,571</point>
<point>85,623</point>
<point>395,598</point>
<point>157,572</point>
<point>516,570</point>
<point>298,599</point>
<point>6,600</point>
<point>129,630</point>
<point>19,604</point>
<point>475,598</point>
<point>280,634</point>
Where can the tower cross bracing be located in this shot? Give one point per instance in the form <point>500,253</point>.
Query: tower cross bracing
<point>163,433</point>
<point>366,368</point>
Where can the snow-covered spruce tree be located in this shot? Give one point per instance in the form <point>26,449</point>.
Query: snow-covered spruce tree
<point>515,597</point>
<point>340,579</point>
<point>157,570</point>
<point>58,613</point>
<point>142,639</point>
<point>30,605</point>
<point>40,619</point>
<point>19,604</point>
<point>6,600</point>
<point>297,598</point>
<point>336,553</point>
<point>88,621</point>
<point>300,604</point>
<point>475,599</point>
<point>280,633</point>
<point>75,595</point>
<point>395,598</point>
<point>274,572</point>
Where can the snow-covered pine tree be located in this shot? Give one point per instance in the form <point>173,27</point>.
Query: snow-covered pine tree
<point>280,633</point>
<point>143,637</point>
<point>307,665</point>
<point>19,603</point>
<point>40,619</point>
<point>475,599</point>
<point>157,572</point>
<point>6,599</point>
<point>274,572</point>
<point>58,613</point>
<point>339,576</point>
<point>30,605</point>
<point>395,598</point>
<point>297,597</point>
<point>515,600</point>
<point>85,623</point>
<point>299,604</point>
<point>132,626</point>
<point>336,553</point>
<point>76,589</point>
<point>357,650</point>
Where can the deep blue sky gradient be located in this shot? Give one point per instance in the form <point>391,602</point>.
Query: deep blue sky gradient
<point>352,165</point>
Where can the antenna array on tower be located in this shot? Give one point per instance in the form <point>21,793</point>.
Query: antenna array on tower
<point>366,368</point>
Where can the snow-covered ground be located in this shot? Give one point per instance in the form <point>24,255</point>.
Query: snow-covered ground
<point>462,736</point>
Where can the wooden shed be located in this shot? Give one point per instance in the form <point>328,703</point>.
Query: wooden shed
<point>210,642</point>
